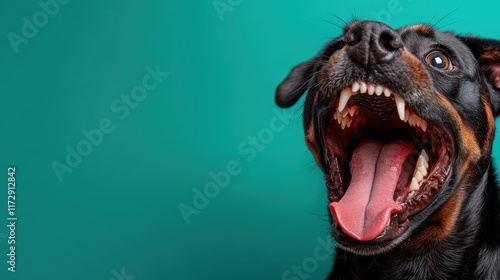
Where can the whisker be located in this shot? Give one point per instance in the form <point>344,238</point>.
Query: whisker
<point>447,15</point>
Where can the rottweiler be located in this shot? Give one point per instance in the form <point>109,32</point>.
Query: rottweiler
<point>401,122</point>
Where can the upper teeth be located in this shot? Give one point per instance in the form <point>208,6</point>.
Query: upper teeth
<point>360,87</point>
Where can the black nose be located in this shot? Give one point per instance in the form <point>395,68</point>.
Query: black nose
<point>370,43</point>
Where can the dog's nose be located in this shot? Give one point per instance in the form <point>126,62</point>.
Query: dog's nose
<point>370,43</point>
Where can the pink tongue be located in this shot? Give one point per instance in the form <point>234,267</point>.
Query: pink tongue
<point>366,208</point>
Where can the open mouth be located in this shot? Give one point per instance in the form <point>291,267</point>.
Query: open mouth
<point>384,163</point>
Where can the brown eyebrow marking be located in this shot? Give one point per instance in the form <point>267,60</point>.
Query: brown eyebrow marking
<point>422,29</point>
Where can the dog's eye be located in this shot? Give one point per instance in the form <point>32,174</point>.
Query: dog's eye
<point>439,61</point>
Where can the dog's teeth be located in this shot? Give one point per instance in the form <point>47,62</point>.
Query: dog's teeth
<point>400,105</point>
<point>352,111</point>
<point>387,92</point>
<point>345,113</point>
<point>362,87</point>
<point>355,87</point>
<point>414,185</point>
<point>349,122</point>
<point>379,90</point>
<point>417,121</point>
<point>371,89</point>
<point>344,122</point>
<point>407,115</point>
<point>410,119</point>
<point>413,119</point>
<point>421,162</point>
<point>423,125</point>
<point>344,98</point>
<point>425,156</point>
<point>418,176</point>
<point>422,170</point>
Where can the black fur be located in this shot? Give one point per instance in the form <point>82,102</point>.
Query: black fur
<point>471,250</point>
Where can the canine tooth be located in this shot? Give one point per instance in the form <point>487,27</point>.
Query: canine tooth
<point>362,87</point>
<point>387,92</point>
<point>371,89</point>
<point>355,87</point>
<point>379,90</point>
<point>344,98</point>
<point>400,104</point>
<point>414,184</point>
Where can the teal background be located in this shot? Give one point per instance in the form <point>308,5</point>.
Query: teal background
<point>119,208</point>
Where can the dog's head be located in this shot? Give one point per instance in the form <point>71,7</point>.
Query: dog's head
<point>401,122</point>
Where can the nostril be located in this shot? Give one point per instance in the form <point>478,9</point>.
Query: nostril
<point>353,37</point>
<point>389,41</point>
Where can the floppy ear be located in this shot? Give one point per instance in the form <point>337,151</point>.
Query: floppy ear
<point>294,86</point>
<point>487,53</point>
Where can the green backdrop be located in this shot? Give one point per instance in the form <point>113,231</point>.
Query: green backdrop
<point>147,144</point>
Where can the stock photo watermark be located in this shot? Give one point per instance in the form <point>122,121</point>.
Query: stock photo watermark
<point>219,180</point>
<point>121,108</point>
<point>2,237</point>
<point>121,276</point>
<point>223,6</point>
<point>11,218</point>
<point>393,7</point>
<point>310,264</point>
<point>31,25</point>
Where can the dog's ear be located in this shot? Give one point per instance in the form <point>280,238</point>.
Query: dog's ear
<point>487,53</point>
<point>294,86</point>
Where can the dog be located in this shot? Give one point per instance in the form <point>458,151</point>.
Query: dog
<point>401,122</point>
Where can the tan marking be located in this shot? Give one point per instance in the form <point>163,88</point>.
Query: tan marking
<point>313,147</point>
<point>421,28</point>
<point>419,75</point>
<point>468,141</point>
<point>440,225</point>
<point>493,55</point>
<point>491,127</point>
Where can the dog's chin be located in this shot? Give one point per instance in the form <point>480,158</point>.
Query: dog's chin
<point>384,164</point>
<point>370,249</point>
